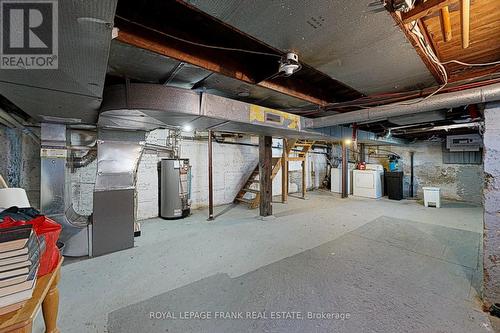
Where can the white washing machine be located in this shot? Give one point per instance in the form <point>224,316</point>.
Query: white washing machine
<point>368,183</point>
<point>336,179</point>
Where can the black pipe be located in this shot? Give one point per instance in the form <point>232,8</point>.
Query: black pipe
<point>344,170</point>
<point>411,174</point>
<point>256,145</point>
<point>210,179</point>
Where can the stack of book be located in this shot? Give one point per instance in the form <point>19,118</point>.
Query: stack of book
<point>19,261</point>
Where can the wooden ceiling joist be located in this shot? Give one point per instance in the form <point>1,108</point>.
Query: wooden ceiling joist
<point>465,23</point>
<point>424,8</point>
<point>446,22</point>
<point>178,30</point>
<point>431,66</point>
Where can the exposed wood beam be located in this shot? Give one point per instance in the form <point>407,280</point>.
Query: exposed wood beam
<point>424,8</point>
<point>485,73</point>
<point>446,24</point>
<point>150,43</point>
<point>304,175</point>
<point>416,45</point>
<point>180,31</point>
<point>265,178</point>
<point>284,173</point>
<point>465,15</point>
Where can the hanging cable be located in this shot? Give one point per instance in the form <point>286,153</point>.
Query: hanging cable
<point>199,44</point>
<point>471,65</point>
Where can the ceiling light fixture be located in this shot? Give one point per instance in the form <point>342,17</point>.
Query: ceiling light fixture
<point>289,64</point>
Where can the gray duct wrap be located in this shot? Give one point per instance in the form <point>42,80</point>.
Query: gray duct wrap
<point>83,161</point>
<point>55,190</point>
<point>441,101</point>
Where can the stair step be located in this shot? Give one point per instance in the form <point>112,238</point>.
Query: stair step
<point>251,190</point>
<point>247,201</point>
<point>255,181</point>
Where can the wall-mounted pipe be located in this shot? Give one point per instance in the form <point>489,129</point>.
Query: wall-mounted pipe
<point>210,179</point>
<point>442,101</point>
<point>345,192</point>
<point>83,161</point>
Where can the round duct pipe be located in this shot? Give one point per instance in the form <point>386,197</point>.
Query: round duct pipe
<point>442,101</point>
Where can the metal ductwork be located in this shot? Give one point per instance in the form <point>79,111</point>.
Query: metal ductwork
<point>442,101</point>
<point>140,106</point>
<point>118,155</point>
<point>83,161</point>
<point>55,191</point>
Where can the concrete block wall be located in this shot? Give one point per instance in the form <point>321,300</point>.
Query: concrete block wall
<point>491,258</point>
<point>232,165</point>
<point>20,163</point>
<point>461,182</point>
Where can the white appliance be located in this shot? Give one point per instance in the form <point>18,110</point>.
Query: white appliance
<point>368,183</point>
<point>336,179</point>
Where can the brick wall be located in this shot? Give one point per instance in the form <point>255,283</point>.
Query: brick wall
<point>232,165</point>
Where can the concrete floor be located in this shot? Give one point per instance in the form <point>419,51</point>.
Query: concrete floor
<point>365,260</point>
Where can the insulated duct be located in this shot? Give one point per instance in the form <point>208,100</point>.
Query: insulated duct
<point>442,101</point>
<point>83,161</point>
<point>55,191</point>
<point>141,106</point>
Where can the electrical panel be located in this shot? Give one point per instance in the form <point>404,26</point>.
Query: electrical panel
<point>466,142</point>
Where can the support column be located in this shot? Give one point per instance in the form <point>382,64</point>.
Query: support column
<point>284,173</point>
<point>210,179</point>
<point>304,178</point>
<point>265,171</point>
<point>345,192</point>
<point>491,194</point>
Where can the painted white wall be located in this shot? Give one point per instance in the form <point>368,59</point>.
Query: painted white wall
<point>232,166</point>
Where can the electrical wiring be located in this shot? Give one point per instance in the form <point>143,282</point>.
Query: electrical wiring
<point>196,43</point>
<point>471,65</point>
<point>380,99</point>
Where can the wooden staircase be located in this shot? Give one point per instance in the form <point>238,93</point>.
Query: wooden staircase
<point>300,148</point>
<point>295,150</point>
<point>251,186</point>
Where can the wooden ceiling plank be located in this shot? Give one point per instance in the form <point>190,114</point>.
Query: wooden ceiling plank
<point>425,8</point>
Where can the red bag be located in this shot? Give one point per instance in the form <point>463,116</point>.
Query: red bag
<point>50,230</point>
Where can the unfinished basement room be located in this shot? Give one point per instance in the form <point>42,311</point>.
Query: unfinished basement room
<point>227,166</point>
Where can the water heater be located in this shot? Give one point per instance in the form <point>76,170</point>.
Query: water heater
<point>174,188</point>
